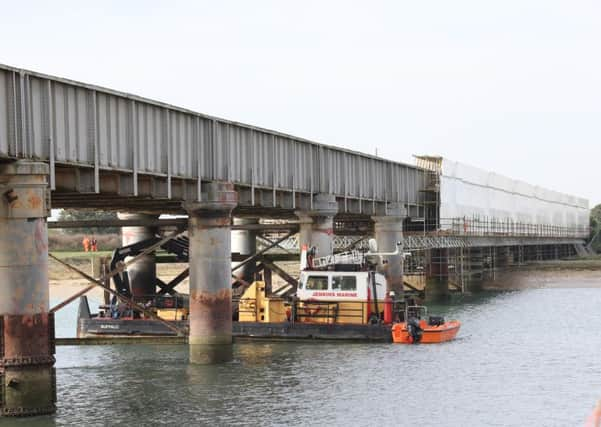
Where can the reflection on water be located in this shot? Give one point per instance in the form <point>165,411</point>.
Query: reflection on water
<point>521,358</point>
<point>210,354</point>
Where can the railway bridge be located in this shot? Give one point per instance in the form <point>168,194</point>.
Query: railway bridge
<point>66,144</point>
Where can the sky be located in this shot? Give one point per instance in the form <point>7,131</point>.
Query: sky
<point>509,86</point>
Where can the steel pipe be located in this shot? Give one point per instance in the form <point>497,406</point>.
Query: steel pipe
<point>142,274</point>
<point>244,242</point>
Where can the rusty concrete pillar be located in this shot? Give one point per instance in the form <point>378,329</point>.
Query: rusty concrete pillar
<point>142,273</point>
<point>317,224</point>
<point>209,231</point>
<point>388,232</point>
<point>244,242</point>
<point>28,383</point>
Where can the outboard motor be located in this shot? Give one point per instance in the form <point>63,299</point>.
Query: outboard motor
<point>414,330</point>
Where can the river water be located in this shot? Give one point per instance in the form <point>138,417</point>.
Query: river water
<point>522,358</point>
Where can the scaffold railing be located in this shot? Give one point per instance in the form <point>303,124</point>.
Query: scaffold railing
<point>456,233</point>
<point>490,227</point>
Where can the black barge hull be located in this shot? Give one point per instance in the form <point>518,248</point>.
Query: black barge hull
<point>96,327</point>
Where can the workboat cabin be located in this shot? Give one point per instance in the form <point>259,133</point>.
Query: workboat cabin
<point>341,286</point>
<point>356,297</point>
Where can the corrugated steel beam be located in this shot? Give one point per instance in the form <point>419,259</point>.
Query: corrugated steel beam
<point>75,124</point>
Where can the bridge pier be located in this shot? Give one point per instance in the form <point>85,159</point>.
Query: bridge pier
<point>388,232</point>
<point>317,224</point>
<point>475,269</point>
<point>142,273</point>
<point>503,257</point>
<point>209,233</point>
<point>244,242</point>
<point>437,275</point>
<point>28,382</point>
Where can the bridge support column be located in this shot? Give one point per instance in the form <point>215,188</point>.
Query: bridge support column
<point>437,276</point>
<point>503,257</point>
<point>244,242</point>
<point>142,273</point>
<point>209,233</point>
<point>317,225</point>
<point>388,232</point>
<point>475,269</point>
<point>28,382</point>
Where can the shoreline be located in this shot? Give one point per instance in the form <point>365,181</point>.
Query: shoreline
<point>542,274</point>
<point>571,273</point>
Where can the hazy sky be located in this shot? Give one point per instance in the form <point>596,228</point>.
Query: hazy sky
<point>510,86</point>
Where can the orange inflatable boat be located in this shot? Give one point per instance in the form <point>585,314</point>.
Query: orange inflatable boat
<point>417,330</point>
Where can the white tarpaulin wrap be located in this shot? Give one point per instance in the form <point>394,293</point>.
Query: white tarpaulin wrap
<point>469,192</point>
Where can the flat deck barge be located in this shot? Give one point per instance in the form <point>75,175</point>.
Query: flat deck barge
<point>108,331</point>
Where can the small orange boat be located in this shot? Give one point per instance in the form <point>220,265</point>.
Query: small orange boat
<point>417,330</point>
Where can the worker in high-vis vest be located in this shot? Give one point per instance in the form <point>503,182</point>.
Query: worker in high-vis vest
<point>86,244</point>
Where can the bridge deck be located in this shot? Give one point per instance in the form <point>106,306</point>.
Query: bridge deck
<point>115,146</point>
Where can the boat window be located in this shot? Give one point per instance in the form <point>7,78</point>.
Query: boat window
<point>317,283</point>
<point>344,283</point>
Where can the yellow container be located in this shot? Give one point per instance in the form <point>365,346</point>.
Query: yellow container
<point>255,306</point>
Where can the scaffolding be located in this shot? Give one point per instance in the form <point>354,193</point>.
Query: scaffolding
<point>430,191</point>
<point>457,268</point>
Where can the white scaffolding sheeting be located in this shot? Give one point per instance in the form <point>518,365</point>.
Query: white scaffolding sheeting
<point>469,192</point>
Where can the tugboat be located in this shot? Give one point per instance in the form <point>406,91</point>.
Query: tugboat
<point>416,330</point>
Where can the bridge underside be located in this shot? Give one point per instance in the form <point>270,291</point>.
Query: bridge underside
<point>75,188</point>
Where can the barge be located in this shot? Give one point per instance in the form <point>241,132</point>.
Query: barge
<point>339,297</point>
<point>94,328</point>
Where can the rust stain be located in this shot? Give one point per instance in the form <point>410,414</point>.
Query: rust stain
<point>210,312</point>
<point>26,336</point>
<point>34,201</point>
<point>208,298</point>
<point>27,320</point>
<point>213,219</point>
<point>224,220</point>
